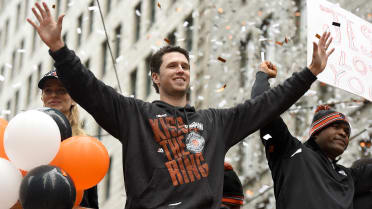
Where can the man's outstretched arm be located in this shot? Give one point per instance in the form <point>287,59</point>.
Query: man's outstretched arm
<point>253,114</point>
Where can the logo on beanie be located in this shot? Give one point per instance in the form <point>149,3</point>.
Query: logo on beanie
<point>194,142</point>
<point>52,73</point>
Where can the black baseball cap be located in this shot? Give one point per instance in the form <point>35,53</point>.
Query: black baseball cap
<point>50,75</point>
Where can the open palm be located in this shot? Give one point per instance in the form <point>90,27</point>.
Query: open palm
<point>321,54</point>
<point>48,29</point>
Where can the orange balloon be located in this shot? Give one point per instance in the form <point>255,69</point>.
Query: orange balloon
<point>79,197</point>
<point>3,124</point>
<point>85,159</point>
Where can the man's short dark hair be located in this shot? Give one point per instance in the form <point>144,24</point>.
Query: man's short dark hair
<point>157,59</point>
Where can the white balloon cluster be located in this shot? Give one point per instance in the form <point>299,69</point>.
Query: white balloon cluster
<point>31,139</point>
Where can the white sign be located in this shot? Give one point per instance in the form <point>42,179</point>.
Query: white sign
<point>350,66</point>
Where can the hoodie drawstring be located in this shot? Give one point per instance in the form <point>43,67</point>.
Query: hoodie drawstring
<point>187,120</point>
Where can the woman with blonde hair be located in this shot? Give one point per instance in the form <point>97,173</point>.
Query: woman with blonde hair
<point>55,95</point>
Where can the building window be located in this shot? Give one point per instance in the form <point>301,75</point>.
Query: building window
<point>79,30</point>
<point>64,38</point>
<point>38,77</point>
<point>189,32</point>
<point>104,58</point>
<point>29,90</point>
<point>148,75</point>
<point>16,101</point>
<point>298,4</point>
<point>172,38</point>
<point>108,180</point>
<point>133,82</point>
<point>117,40</point>
<point>6,32</point>
<point>91,18</point>
<point>34,40</point>
<point>21,54</point>
<point>87,63</point>
<point>18,14</point>
<point>1,37</point>
<point>108,6</point>
<point>2,77</point>
<point>137,23</point>
<point>13,69</point>
<point>265,27</point>
<point>244,59</point>
<point>8,106</point>
<point>67,5</point>
<point>152,10</point>
<point>26,10</point>
<point>57,7</point>
<point>99,132</point>
<point>83,123</point>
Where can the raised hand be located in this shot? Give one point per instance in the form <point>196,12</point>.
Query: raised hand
<point>48,29</point>
<point>269,68</point>
<point>320,54</point>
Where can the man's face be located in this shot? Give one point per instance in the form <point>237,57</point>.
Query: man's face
<point>174,74</point>
<point>333,139</point>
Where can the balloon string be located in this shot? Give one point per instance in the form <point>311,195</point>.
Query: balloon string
<point>108,44</point>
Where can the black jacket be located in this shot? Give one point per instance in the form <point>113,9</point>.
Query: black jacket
<point>363,201</point>
<point>303,176</point>
<point>173,156</point>
<point>90,198</point>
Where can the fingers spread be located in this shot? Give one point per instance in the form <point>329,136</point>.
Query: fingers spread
<point>37,15</point>
<point>46,9</point>
<point>330,52</point>
<point>329,43</point>
<point>32,23</point>
<point>322,39</point>
<point>41,10</point>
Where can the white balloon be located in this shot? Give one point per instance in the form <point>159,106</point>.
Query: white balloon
<point>31,139</point>
<point>10,182</point>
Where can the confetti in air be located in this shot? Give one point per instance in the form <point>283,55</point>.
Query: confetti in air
<point>221,59</point>
<point>267,137</point>
<point>286,40</point>
<point>249,192</point>
<point>221,89</point>
<point>336,24</point>
<point>167,40</point>
<point>92,8</point>
<point>138,13</point>
<point>279,43</point>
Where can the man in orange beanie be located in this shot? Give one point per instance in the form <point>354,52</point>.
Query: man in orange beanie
<point>307,175</point>
<point>232,197</point>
